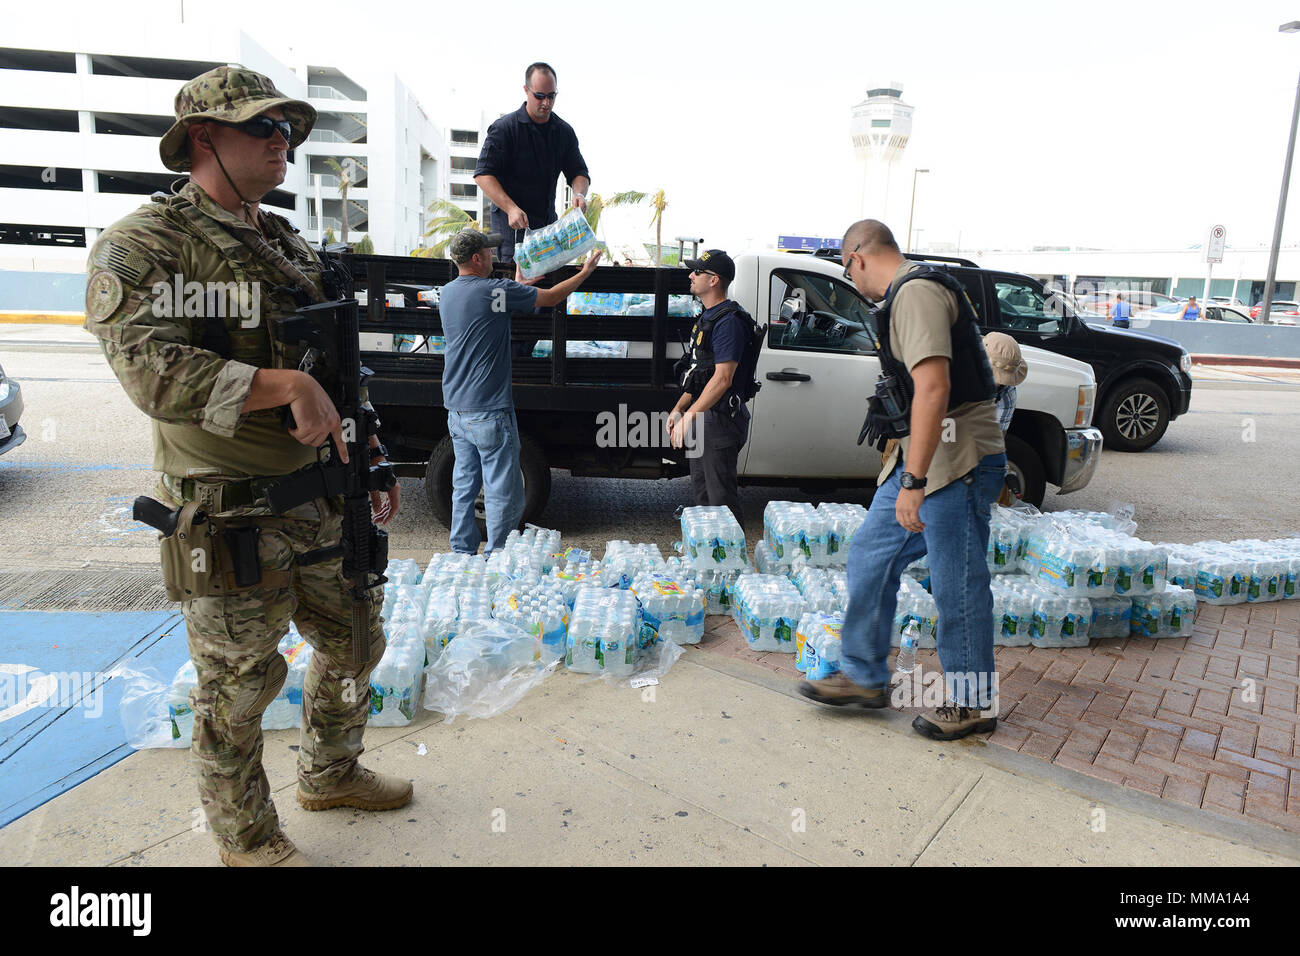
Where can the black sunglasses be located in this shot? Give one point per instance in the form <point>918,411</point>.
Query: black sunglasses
<point>545,96</point>
<point>849,265</point>
<point>261,127</point>
<point>704,272</point>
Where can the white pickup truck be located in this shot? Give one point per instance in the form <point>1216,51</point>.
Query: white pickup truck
<point>816,368</point>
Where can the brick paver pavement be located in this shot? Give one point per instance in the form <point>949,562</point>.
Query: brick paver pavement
<point>1211,720</point>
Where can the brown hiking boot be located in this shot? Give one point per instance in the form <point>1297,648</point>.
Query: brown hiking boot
<point>277,851</point>
<point>838,691</point>
<point>954,722</point>
<point>363,789</point>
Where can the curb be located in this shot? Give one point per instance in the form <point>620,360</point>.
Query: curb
<point>1250,360</point>
<point>43,318</point>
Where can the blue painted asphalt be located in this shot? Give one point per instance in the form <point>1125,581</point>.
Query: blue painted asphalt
<point>59,715</point>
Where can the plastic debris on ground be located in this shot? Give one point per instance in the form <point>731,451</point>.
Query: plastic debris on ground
<point>485,671</point>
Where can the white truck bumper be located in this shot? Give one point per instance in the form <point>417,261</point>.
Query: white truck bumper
<point>1083,451</point>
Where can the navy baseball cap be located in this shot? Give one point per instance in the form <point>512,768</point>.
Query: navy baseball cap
<point>715,261</point>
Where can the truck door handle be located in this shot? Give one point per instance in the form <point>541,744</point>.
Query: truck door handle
<point>788,377</point>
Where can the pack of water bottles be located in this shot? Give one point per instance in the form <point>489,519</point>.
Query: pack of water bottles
<point>539,610</point>
<point>716,586</point>
<point>624,560</point>
<point>629,303</point>
<point>712,539</point>
<point>1084,559</point>
<point>396,681</point>
<point>796,527</point>
<point>604,635</point>
<point>816,584</point>
<point>550,247</point>
<point>767,607</point>
<point>581,572</point>
<point>590,348</point>
<point>1238,572</point>
<point>915,607</point>
<point>672,607</point>
<point>817,644</point>
<point>842,523</point>
<point>1170,613</point>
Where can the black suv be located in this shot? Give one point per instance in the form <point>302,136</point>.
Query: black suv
<point>1143,380</point>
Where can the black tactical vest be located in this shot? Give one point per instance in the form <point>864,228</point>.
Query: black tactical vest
<point>970,376</point>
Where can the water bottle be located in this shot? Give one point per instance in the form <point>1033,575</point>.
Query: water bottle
<point>911,637</point>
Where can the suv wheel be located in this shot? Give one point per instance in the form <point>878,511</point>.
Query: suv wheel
<point>1134,415</point>
<point>532,463</point>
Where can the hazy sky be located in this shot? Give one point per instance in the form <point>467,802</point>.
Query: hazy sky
<point>1119,125</point>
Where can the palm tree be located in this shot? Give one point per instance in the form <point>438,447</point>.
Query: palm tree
<point>446,220</point>
<point>659,204</point>
<point>345,183</point>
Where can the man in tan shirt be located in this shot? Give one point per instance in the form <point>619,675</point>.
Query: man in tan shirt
<point>935,489</point>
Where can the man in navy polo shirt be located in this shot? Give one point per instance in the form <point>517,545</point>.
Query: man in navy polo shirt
<point>522,158</point>
<point>475,311</point>
<point>710,414</point>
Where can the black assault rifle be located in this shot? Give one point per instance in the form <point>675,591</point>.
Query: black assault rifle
<point>330,331</point>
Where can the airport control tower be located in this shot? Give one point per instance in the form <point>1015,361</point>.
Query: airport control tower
<point>881,126</point>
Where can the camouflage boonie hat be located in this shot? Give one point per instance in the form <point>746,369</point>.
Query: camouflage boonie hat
<point>465,243</point>
<point>230,94</point>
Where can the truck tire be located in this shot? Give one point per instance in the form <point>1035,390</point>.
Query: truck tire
<point>532,462</point>
<point>1134,415</point>
<point>1025,462</point>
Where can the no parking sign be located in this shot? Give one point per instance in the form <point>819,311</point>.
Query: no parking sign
<point>1214,247</point>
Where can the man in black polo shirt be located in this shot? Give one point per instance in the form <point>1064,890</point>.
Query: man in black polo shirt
<point>523,156</point>
<point>710,418</point>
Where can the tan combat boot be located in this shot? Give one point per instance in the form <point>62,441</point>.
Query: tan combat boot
<point>363,789</point>
<point>838,691</point>
<point>277,851</point>
<point>952,722</point>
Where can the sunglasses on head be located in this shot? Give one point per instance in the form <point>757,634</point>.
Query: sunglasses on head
<point>261,127</point>
<point>545,96</point>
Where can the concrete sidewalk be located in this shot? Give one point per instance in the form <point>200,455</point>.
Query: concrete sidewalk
<point>721,764</point>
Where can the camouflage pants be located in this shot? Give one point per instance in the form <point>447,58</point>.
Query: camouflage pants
<point>233,642</point>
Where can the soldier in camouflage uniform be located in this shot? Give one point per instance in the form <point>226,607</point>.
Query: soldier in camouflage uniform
<point>214,384</point>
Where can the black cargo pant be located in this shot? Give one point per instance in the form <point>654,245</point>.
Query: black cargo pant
<point>712,451</point>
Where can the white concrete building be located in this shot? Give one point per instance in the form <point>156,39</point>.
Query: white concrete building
<point>82,108</point>
<point>881,127</point>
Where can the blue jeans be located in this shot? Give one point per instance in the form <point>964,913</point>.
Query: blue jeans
<point>956,536</point>
<point>487,456</point>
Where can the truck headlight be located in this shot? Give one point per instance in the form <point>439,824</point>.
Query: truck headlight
<point>1083,409</point>
<point>1185,363</point>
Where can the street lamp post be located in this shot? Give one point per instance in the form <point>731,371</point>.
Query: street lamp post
<point>913,206</point>
<point>1265,310</point>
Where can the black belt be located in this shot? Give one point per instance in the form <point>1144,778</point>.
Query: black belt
<point>234,494</point>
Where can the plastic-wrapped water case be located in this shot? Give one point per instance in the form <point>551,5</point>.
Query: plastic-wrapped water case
<point>395,681</point>
<point>671,609</point>
<point>1177,612</point>
<point>712,539</point>
<point>842,523</point>
<point>550,247</point>
<point>717,589</point>
<point>625,560</point>
<point>1060,621</point>
<point>1013,610</point>
<point>794,527</point>
<point>767,607</point>
<point>1144,619</point>
<point>820,647</point>
<point>603,634</point>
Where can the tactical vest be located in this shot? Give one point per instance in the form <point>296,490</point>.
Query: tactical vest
<point>232,336</point>
<point>970,376</point>
<point>700,363</point>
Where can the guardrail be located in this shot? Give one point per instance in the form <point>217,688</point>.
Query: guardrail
<point>1225,338</point>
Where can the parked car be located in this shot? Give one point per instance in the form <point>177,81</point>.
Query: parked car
<point>1227,300</point>
<point>1284,306</point>
<point>11,409</point>
<point>1227,313</point>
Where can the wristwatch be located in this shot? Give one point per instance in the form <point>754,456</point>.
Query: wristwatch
<point>378,451</point>
<point>910,481</point>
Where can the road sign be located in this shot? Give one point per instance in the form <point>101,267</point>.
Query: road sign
<point>1214,247</point>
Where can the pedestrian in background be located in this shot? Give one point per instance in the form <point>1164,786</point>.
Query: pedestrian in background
<point>1120,312</point>
<point>1190,311</point>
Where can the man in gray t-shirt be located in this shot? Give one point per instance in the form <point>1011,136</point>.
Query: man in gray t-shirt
<point>475,311</point>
